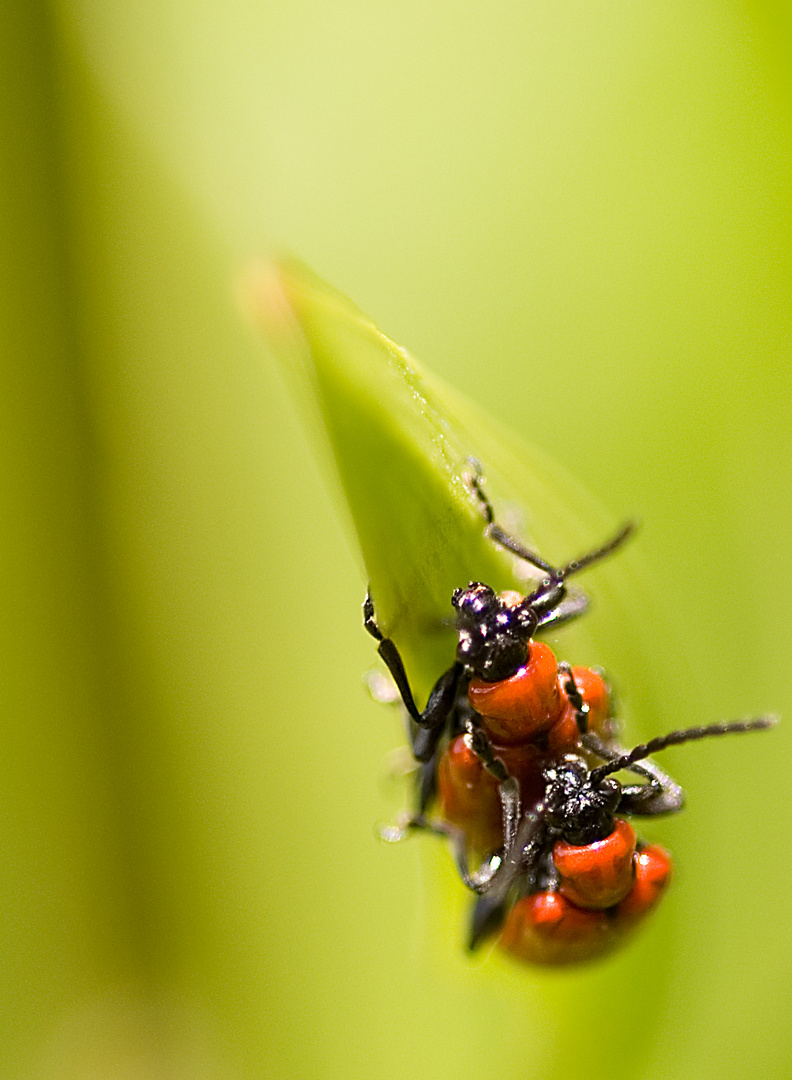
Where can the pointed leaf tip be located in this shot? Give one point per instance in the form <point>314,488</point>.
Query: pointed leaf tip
<point>402,442</point>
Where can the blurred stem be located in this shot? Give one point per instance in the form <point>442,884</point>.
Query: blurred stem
<point>73,890</point>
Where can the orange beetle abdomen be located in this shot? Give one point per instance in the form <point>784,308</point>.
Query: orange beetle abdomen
<point>525,705</point>
<point>652,875</point>
<point>545,928</point>
<point>600,874</point>
<point>469,796</point>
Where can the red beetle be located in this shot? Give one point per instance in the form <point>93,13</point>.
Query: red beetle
<point>577,880</point>
<point>517,753</point>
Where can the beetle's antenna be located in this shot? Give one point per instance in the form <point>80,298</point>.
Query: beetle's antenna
<point>577,565</point>
<point>674,738</point>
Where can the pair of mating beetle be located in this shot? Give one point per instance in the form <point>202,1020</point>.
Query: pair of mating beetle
<point>517,755</point>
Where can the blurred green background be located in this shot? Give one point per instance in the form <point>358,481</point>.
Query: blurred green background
<point>580,215</point>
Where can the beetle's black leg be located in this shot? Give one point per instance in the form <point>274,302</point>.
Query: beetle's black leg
<point>441,699</point>
<point>508,787</point>
<point>390,654</point>
<point>487,917</point>
<point>426,788</point>
<point>518,866</point>
<point>660,795</point>
<point>574,696</point>
<point>575,603</point>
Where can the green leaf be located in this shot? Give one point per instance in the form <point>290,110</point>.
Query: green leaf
<point>402,442</point>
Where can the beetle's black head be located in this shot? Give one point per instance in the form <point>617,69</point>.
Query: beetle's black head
<point>493,636</point>
<point>577,810</point>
